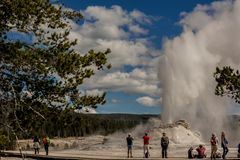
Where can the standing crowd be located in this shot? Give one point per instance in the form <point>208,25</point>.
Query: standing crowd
<point>146,139</point>
<point>200,150</point>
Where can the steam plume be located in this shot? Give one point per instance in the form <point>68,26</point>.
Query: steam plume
<point>210,38</point>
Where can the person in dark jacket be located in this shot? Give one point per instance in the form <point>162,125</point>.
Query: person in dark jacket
<point>129,140</point>
<point>164,145</point>
<point>224,144</point>
<point>46,143</point>
<point>190,153</point>
<point>238,151</point>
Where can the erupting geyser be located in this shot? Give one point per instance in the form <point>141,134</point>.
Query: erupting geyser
<point>210,38</point>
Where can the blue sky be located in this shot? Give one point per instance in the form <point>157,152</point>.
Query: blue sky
<point>167,10</point>
<point>135,32</point>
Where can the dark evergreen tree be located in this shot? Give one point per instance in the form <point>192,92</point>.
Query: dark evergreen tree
<point>44,71</point>
<point>228,83</point>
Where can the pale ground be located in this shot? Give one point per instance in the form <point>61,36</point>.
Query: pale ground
<point>114,146</point>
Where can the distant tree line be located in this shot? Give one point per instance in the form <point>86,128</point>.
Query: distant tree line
<point>67,123</point>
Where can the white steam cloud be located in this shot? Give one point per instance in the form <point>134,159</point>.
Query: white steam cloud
<point>148,101</point>
<point>211,38</point>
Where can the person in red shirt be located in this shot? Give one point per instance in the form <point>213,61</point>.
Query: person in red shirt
<point>201,152</point>
<point>145,145</point>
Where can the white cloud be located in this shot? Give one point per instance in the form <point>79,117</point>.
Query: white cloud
<point>86,110</point>
<point>149,102</point>
<point>123,32</point>
<point>104,16</point>
<point>203,15</point>
<point>108,23</point>
<point>139,74</point>
<point>140,17</point>
<point>113,28</point>
<point>94,92</point>
<point>115,101</point>
<point>99,31</point>
<point>137,30</point>
<point>138,81</point>
<point>124,52</point>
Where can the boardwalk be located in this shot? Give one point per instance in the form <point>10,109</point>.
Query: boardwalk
<point>53,157</point>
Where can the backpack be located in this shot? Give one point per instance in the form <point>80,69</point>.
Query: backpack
<point>44,141</point>
<point>164,141</point>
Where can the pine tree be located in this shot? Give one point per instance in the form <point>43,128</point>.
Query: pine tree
<point>42,72</point>
<point>228,83</point>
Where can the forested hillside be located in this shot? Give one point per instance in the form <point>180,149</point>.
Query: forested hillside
<point>65,123</point>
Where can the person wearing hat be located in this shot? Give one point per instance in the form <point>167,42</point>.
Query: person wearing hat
<point>129,145</point>
<point>164,145</point>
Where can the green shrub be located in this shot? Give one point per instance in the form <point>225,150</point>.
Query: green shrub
<point>3,141</point>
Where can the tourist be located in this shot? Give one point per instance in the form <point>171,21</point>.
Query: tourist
<point>238,151</point>
<point>146,139</point>
<point>214,143</point>
<point>190,153</point>
<point>36,144</point>
<point>224,144</point>
<point>164,145</point>
<point>46,143</point>
<point>129,145</point>
<point>201,152</point>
